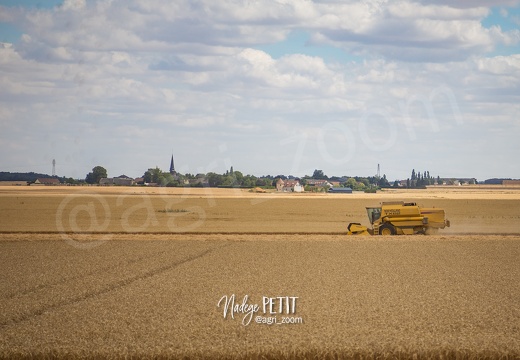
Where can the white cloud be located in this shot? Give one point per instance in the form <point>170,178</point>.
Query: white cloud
<point>393,29</point>
<point>473,3</point>
<point>411,31</point>
<point>410,10</point>
<point>500,65</point>
<point>295,73</point>
<point>186,75</point>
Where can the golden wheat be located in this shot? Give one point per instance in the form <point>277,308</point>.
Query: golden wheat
<point>376,298</point>
<point>137,287</point>
<point>129,210</point>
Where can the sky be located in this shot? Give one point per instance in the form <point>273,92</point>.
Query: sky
<point>266,86</point>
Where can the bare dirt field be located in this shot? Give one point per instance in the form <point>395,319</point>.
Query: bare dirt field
<point>140,272</point>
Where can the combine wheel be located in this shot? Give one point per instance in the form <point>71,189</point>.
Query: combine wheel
<point>387,229</point>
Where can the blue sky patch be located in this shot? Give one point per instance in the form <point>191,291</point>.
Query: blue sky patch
<point>507,18</point>
<point>297,42</point>
<point>9,33</point>
<point>39,4</point>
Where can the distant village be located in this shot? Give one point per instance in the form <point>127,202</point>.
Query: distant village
<point>317,182</point>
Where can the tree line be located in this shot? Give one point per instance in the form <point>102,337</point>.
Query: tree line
<point>234,178</point>
<point>231,178</point>
<point>421,180</point>
<point>29,177</point>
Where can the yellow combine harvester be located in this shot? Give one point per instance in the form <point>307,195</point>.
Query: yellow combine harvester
<point>400,218</point>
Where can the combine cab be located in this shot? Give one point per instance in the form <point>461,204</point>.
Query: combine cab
<point>400,218</point>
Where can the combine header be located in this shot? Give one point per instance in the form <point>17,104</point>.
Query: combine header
<point>400,218</point>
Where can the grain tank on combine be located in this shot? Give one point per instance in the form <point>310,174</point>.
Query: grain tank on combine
<point>400,218</point>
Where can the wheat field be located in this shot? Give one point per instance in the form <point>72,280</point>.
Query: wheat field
<point>166,210</point>
<point>76,285</point>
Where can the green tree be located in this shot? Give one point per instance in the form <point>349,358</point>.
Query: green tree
<point>238,178</point>
<point>71,181</point>
<point>153,175</point>
<point>167,179</point>
<point>246,182</point>
<point>319,175</point>
<point>214,179</point>
<point>263,182</point>
<point>249,181</point>
<point>97,173</point>
<point>228,180</point>
<point>357,184</point>
<point>352,183</point>
<point>383,182</point>
<point>419,182</point>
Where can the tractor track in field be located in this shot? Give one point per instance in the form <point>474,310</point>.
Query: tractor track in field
<point>76,277</point>
<point>105,289</point>
<point>201,233</point>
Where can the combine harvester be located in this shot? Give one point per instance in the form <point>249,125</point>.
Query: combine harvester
<point>400,218</point>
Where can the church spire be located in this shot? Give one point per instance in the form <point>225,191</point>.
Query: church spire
<point>172,167</point>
